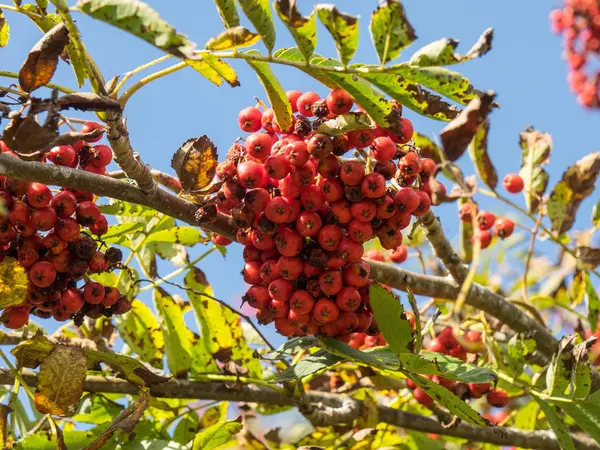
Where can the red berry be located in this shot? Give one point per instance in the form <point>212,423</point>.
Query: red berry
<point>339,102</point>
<point>288,242</point>
<point>319,145</point>
<point>406,200</point>
<point>330,237</point>
<point>249,119</point>
<point>357,274</point>
<point>101,155</point>
<point>251,272</point>
<point>281,290</point>
<point>284,327</point>
<point>251,174</point>
<point>424,204</point>
<point>399,254</point>
<point>290,268</point>
<point>301,302</point>
<point>330,282</point>
<point>361,138</point>
<point>497,397</point>
<point>27,257</point>
<point>257,296</point>
<point>352,250</point>
<point>91,126</point>
<point>503,227</point>
<point>71,300</point>
<point>485,220</point>
<point>478,389</point>
<point>87,213</point>
<point>305,101</point>
<point>325,310</point>
<point>278,210</point>
<point>19,213</point>
<point>347,322</point>
<point>410,164</point>
<point>111,296</point>
<point>341,210</point>
<point>93,293</point>
<point>386,208</point>
<point>383,148</point>
<point>373,185</point>
<point>292,97</point>
<point>98,263</point>
<point>54,243</point>
<point>15,317</point>
<point>100,228</point>
<point>44,218</point>
<point>513,183</point>
<point>348,299</point>
<point>360,231</point>
<point>312,198</point>
<point>42,274</point>
<point>219,239</point>
<point>278,167</point>
<point>258,145</point>
<point>308,224</point>
<point>364,211</point>
<point>38,195</point>
<point>65,204</point>
<point>422,397</point>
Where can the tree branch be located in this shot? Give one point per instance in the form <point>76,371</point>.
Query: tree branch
<point>175,388</point>
<point>440,287</point>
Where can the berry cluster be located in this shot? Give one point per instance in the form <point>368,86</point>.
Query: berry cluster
<point>305,212</point>
<point>446,343</point>
<point>579,23</point>
<point>43,232</point>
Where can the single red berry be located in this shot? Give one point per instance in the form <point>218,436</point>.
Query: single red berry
<point>54,243</point>
<point>485,220</point>
<point>360,231</point>
<point>347,323</point>
<point>364,211</point>
<point>15,317</point>
<point>325,310</point>
<point>42,274</point>
<point>330,237</point>
<point>296,153</point>
<point>319,145</point>
<point>292,97</point>
<point>513,183</point>
<point>301,302</point>
<point>305,102</point>
<point>219,239</point>
<point>302,177</point>
<point>288,242</point>
<point>308,224</point>
<point>251,272</point>
<point>44,218</point>
<point>278,210</point>
<point>330,282</point>
<point>290,268</point>
<point>407,131</point>
<point>278,167</point>
<point>252,175</point>
<point>100,226</point>
<point>399,254</point>
<point>352,250</point>
<point>98,263</point>
<point>284,327</point>
<point>383,148</point>
<point>72,300</point>
<point>357,274</point>
<point>257,296</point>
<point>406,200</point>
<point>348,299</point>
<point>262,241</point>
<point>424,204</point>
<point>93,293</point>
<point>341,210</point>
<point>101,155</point>
<point>386,208</point>
<point>281,290</point>
<point>258,145</point>
<point>65,204</point>
<point>91,126</point>
<point>38,195</point>
<point>503,227</point>
<point>361,138</point>
<point>312,199</point>
<point>478,389</point>
<point>87,213</point>
<point>410,164</point>
<point>497,397</point>
<point>339,102</point>
<point>111,296</point>
<point>17,188</point>
<point>27,257</point>
<point>422,397</point>
<point>19,213</point>
<point>373,185</point>
<point>249,119</point>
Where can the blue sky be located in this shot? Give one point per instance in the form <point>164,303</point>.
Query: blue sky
<point>525,69</point>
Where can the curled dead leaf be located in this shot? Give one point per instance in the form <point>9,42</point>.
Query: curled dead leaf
<point>195,163</point>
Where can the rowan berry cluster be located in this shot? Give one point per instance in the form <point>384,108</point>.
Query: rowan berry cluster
<point>50,235</point>
<point>305,211</point>
<point>446,343</point>
<point>579,23</point>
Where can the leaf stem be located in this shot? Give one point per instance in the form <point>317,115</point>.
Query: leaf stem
<point>144,81</point>
<point>530,255</point>
<point>29,14</point>
<point>14,75</point>
<point>138,69</point>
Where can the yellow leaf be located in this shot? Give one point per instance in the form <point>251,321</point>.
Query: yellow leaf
<point>195,163</point>
<point>13,283</point>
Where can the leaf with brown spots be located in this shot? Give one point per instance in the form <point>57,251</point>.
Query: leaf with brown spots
<point>13,283</point>
<point>441,52</point>
<point>457,135</point>
<point>195,163</point>
<point>60,381</point>
<point>536,148</point>
<point>342,27</point>
<point>577,183</point>
<point>391,31</point>
<point>228,13</point>
<point>480,156</point>
<point>32,352</point>
<point>125,421</point>
<point>588,256</point>
<point>40,64</point>
<point>303,29</point>
<point>482,46</point>
<point>126,367</point>
<point>231,38</point>
<point>26,136</point>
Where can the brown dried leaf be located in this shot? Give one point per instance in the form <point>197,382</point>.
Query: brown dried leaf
<point>125,421</point>
<point>457,135</point>
<point>195,163</point>
<point>60,381</point>
<point>588,256</point>
<point>27,136</point>
<point>577,183</point>
<point>41,62</point>
<point>479,153</point>
<point>482,46</point>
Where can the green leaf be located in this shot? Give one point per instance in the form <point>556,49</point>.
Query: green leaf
<point>303,29</point>
<point>4,30</point>
<point>557,424</point>
<point>228,13</point>
<point>481,158</point>
<point>430,363</point>
<point>436,53</point>
<point>387,312</point>
<point>187,428</point>
<point>44,441</point>
<point>518,348</point>
<point>526,417</point>
<point>558,375</point>
<point>183,235</point>
<point>222,68</point>
<point>279,102</point>
<point>308,365</point>
<point>259,13</point>
<point>577,183</point>
<point>466,236</point>
<point>586,415</point>
<point>128,368</point>
<point>449,400</point>
<point>593,301</point>
<point>289,347</point>
<point>343,28</point>
<point>118,231</point>
<point>141,332</point>
<point>294,54</point>
<point>412,95</point>
<point>382,358</point>
<point>221,328</point>
<point>216,435</point>
<point>596,215</point>
<point>536,148</point>
<point>140,20</point>
<point>97,409</point>
<point>391,31</point>
<point>125,209</point>
<point>345,123</point>
<point>235,37</point>
<point>178,338</point>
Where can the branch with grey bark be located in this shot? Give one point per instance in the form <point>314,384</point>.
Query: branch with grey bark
<point>346,408</point>
<point>479,297</point>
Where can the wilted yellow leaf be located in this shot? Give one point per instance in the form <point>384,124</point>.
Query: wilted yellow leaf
<point>13,283</point>
<point>195,163</point>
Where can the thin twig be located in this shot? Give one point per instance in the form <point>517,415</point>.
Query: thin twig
<point>529,256</point>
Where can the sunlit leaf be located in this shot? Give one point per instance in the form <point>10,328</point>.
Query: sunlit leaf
<point>195,163</point>
<point>586,415</point>
<point>222,68</point>
<point>228,13</point>
<point>577,183</point>
<point>558,375</point>
<point>187,428</point>
<point>441,52</point>
<point>141,20</point>
<point>259,13</point>
<point>346,122</point>
<point>275,93</point>
<point>13,283</point>
<point>536,148</point>
<point>40,64</point>
<point>308,365</point>
<point>184,235</point>
<point>303,29</point>
<point>231,38</point>
<point>526,416</point>
<point>593,302</point>
<point>381,357</point>
<point>391,31</point>
<point>58,390</point>
<point>388,311</point>
<point>97,409</point>
<point>480,156</point>
<point>47,441</point>
<point>343,29</point>
<point>557,424</point>
<point>430,363</point>
<point>119,230</point>
<point>208,72</point>
<point>449,400</point>
<point>4,30</point>
<point>177,337</point>
<point>596,214</point>
<point>142,333</point>
<point>32,352</point>
<point>125,209</point>
<point>216,435</point>
<point>129,368</point>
